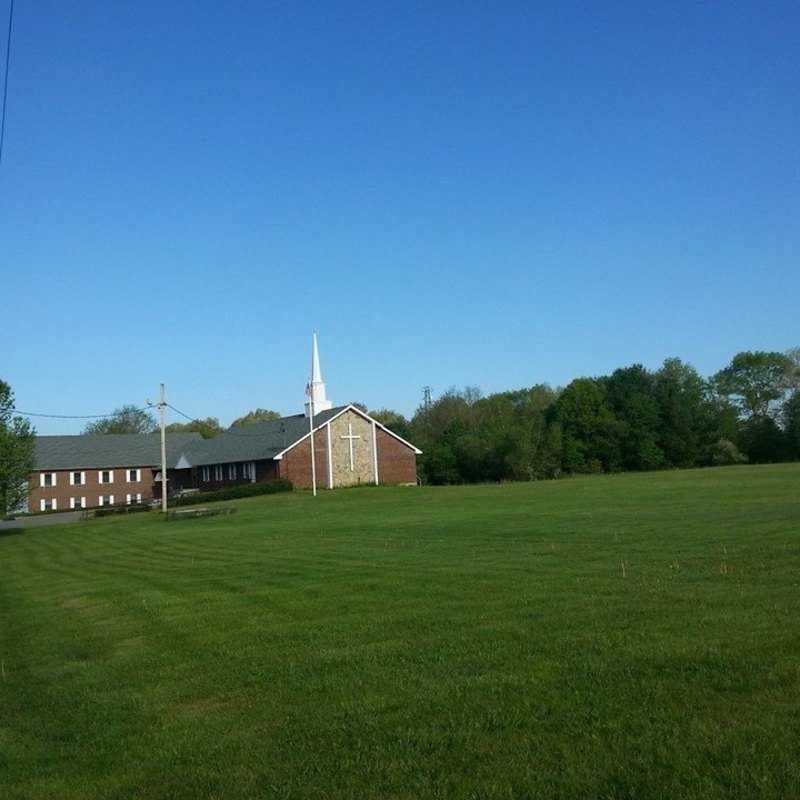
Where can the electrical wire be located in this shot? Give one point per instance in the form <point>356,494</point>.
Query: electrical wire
<point>68,416</point>
<point>5,81</point>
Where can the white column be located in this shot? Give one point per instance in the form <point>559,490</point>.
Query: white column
<point>375,450</point>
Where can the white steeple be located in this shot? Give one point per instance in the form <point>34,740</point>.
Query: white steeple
<point>315,390</point>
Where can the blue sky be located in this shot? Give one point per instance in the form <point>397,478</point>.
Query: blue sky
<point>494,194</point>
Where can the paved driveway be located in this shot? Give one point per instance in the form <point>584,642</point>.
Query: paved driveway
<point>39,521</point>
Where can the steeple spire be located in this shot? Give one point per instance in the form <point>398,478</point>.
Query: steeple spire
<point>315,391</point>
<point>316,372</point>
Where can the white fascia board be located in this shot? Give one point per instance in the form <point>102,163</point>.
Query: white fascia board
<point>183,463</point>
<point>361,413</point>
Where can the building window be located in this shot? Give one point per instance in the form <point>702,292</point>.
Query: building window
<point>217,472</point>
<point>231,472</point>
<point>134,475</point>
<point>249,470</point>
<point>133,498</point>
<point>48,504</point>
<point>77,479</point>
<point>106,476</point>
<point>206,474</point>
<point>77,502</point>
<point>47,479</point>
<point>106,499</point>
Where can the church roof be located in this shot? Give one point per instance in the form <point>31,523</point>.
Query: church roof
<point>103,451</point>
<point>261,440</point>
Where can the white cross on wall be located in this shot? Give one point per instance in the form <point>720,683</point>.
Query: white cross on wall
<point>350,437</point>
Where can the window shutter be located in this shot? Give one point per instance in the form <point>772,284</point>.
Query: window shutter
<point>55,504</point>
<point>55,478</point>
<point>41,505</point>
<point>41,480</point>
<point>71,478</point>
<point>111,476</point>
<point>83,479</point>
<point>111,500</point>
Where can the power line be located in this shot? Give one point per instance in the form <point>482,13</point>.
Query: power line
<point>67,416</point>
<point>5,82</point>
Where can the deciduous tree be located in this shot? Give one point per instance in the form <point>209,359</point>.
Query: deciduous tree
<point>755,380</point>
<point>127,419</point>
<point>17,441</point>
<point>256,415</point>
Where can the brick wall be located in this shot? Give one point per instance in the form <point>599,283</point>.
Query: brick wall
<point>396,462</point>
<point>120,487</point>
<point>296,463</point>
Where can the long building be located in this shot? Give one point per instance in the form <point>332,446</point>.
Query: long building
<point>350,448</point>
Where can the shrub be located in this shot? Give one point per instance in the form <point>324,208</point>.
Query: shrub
<point>725,453</point>
<point>106,511</point>
<point>234,492</point>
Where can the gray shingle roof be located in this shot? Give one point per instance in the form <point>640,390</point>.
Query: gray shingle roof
<point>261,440</point>
<point>109,450</point>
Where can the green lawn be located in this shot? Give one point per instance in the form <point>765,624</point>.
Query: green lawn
<point>632,636</point>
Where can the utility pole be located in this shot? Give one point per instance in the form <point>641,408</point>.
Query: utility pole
<point>162,408</point>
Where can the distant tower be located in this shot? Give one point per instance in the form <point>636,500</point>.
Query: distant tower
<point>316,386</point>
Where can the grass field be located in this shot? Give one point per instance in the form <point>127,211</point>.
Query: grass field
<point>632,636</point>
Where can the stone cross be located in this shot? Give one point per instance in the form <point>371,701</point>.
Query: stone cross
<point>350,437</point>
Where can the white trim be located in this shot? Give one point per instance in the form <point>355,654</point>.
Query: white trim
<point>330,456</point>
<point>375,450</point>
<point>279,456</point>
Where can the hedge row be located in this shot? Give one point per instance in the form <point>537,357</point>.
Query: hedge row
<point>233,492</point>
<point>107,511</point>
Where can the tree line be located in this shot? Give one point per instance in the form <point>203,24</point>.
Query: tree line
<point>632,419</point>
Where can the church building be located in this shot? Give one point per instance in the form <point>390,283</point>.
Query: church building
<point>349,448</point>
